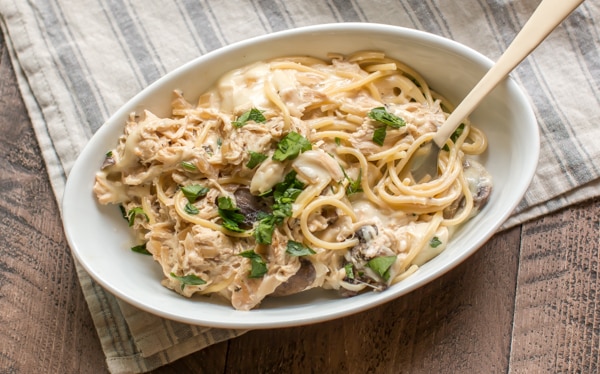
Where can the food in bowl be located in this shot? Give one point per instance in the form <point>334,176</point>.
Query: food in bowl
<point>290,174</point>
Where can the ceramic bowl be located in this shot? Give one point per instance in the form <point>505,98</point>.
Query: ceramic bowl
<point>100,240</point>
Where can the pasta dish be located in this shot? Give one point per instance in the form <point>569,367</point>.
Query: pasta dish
<point>290,174</point>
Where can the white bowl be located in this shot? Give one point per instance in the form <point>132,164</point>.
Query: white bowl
<point>100,240</point>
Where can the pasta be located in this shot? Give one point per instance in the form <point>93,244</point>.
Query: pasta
<point>290,174</point>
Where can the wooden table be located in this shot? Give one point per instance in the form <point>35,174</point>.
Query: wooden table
<point>526,302</point>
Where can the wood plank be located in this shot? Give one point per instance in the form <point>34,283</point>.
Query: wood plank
<point>460,322</point>
<point>45,325</point>
<point>210,360</point>
<point>557,314</point>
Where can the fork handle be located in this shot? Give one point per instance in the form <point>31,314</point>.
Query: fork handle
<point>548,15</point>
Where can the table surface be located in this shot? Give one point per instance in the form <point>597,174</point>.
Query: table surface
<point>525,302</point>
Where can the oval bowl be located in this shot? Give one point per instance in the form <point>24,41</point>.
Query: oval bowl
<point>100,240</point>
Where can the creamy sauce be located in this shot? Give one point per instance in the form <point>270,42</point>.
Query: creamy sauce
<point>244,88</point>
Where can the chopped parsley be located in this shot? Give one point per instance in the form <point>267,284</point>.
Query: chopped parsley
<point>253,114</point>
<point>298,249</point>
<point>258,265</point>
<point>381,115</point>
<point>354,185</point>
<point>381,265</point>
<point>348,268</point>
<point>189,280</point>
<point>134,213</point>
<point>141,249</point>
<point>194,191</point>
<point>191,209</point>
<point>435,242</point>
<point>188,166</point>
<point>458,132</point>
<point>255,159</point>
<point>284,194</point>
<point>263,233</point>
<point>291,146</point>
<point>379,135</point>
<point>230,214</point>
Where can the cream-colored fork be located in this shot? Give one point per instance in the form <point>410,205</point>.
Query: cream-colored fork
<point>548,15</point>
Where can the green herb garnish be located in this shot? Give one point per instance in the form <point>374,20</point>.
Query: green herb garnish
<point>141,249</point>
<point>284,194</point>
<point>379,135</point>
<point>258,265</point>
<point>255,159</point>
<point>291,146</point>
<point>381,115</point>
<point>194,191</point>
<point>191,209</point>
<point>354,185</point>
<point>435,242</point>
<point>348,268</point>
<point>188,166</point>
<point>230,214</point>
<point>189,280</point>
<point>298,249</point>
<point>263,233</point>
<point>458,132</point>
<point>251,115</point>
<point>134,213</point>
<point>381,265</point>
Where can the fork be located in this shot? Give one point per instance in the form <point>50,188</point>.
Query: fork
<point>548,15</point>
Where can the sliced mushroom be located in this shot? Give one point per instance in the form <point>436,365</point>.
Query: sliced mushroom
<point>366,233</point>
<point>250,206</point>
<point>357,259</point>
<point>480,185</point>
<point>299,281</point>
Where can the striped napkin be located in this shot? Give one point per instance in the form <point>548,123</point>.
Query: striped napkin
<point>78,61</point>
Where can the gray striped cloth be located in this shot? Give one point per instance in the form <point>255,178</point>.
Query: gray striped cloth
<point>78,61</point>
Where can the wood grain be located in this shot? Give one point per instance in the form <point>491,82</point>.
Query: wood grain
<point>44,322</point>
<point>557,325</point>
<point>526,302</point>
